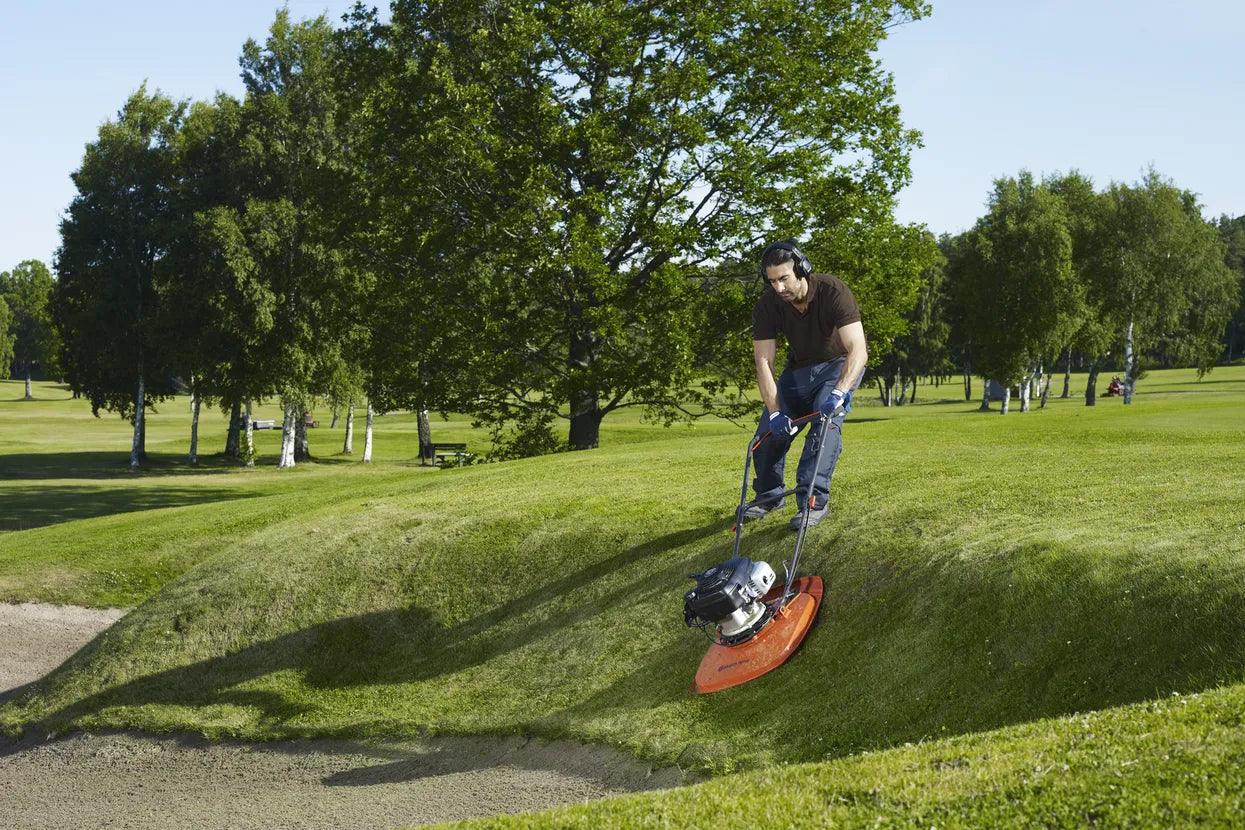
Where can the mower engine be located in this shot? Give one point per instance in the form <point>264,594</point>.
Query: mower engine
<point>728,596</point>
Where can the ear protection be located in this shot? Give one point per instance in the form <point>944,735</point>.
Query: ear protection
<point>803,267</point>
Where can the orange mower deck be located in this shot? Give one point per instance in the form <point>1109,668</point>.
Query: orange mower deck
<point>727,666</point>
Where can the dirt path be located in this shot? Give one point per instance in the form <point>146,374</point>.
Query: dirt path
<point>125,780</point>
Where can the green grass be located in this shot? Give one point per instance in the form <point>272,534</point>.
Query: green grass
<point>983,574</point>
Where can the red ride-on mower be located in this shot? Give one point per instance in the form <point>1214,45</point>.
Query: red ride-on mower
<point>756,624</point>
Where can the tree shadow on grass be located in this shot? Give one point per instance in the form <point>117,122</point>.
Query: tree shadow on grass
<point>385,647</point>
<point>29,507</point>
<point>108,465</point>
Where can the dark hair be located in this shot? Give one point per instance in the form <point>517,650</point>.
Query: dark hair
<point>775,256</point>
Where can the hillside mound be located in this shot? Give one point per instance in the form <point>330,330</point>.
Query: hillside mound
<point>980,573</point>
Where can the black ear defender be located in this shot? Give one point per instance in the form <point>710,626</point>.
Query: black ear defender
<point>803,267</point>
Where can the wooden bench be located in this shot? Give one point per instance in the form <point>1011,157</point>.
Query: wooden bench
<point>442,453</point>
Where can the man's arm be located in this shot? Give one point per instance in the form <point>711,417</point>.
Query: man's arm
<point>763,352</point>
<point>852,336</point>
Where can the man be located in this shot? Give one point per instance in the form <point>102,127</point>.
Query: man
<point>820,320</point>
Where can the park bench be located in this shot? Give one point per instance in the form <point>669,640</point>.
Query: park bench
<point>442,453</point>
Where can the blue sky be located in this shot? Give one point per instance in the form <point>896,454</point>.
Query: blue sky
<point>1108,87</point>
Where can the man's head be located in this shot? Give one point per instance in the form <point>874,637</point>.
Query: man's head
<point>787,270</point>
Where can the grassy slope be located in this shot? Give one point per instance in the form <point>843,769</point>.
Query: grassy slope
<point>982,571</point>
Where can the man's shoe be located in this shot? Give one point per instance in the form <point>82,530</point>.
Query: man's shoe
<point>755,511</point>
<point>813,518</point>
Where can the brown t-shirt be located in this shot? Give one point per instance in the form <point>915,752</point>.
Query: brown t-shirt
<point>812,335</point>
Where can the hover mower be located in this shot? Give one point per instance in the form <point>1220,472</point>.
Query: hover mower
<point>756,624</point>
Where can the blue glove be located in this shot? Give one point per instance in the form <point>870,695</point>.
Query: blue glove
<point>837,404</point>
<point>780,424</point>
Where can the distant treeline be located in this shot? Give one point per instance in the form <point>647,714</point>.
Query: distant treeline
<point>1057,274</point>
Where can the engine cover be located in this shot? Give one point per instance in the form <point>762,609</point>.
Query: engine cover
<point>725,589</point>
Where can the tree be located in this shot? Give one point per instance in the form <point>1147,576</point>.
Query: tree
<point>6,333</point>
<point>220,309</point>
<point>288,228</point>
<point>1232,232</point>
<point>28,292</point>
<point>922,349</point>
<point>1019,282</point>
<point>1161,268</point>
<point>1090,333</point>
<point>589,160</point>
<point>115,234</point>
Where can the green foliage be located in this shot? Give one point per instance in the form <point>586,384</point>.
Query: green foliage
<point>220,307</point>
<point>586,160</point>
<point>923,347</point>
<point>105,304</point>
<point>6,334</point>
<point>1232,232</point>
<point>1161,267</point>
<point>1021,298</point>
<point>27,289</point>
<point>287,228</point>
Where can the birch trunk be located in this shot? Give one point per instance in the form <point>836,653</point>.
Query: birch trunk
<point>195,402</point>
<point>137,450</point>
<point>348,444</point>
<point>1129,369</point>
<point>902,397</point>
<point>1026,390</point>
<point>968,384</point>
<point>1091,388</point>
<point>1007,399</point>
<point>287,438</point>
<point>336,415</point>
<point>912,394</point>
<point>1046,388</point>
<point>1067,376</point>
<point>302,446</point>
<point>985,396</point>
<point>249,446</point>
<point>29,396</point>
<point>425,438</point>
<point>367,436</point>
<point>231,437</point>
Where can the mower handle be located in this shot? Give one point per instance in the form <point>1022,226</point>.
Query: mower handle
<point>803,419</point>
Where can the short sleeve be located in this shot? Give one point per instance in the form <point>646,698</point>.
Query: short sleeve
<point>764,324</point>
<point>844,309</point>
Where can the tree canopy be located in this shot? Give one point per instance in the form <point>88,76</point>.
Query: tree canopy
<point>27,290</point>
<point>592,159</point>
<point>115,234</point>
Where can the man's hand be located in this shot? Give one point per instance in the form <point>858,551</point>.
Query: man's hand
<point>835,404</point>
<point>780,424</point>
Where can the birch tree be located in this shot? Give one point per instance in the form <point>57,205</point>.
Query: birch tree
<point>289,223</point>
<point>1018,282</point>
<point>1232,232</point>
<point>221,308</point>
<point>112,239</point>
<point>28,292</point>
<point>6,335</point>
<point>1161,267</point>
